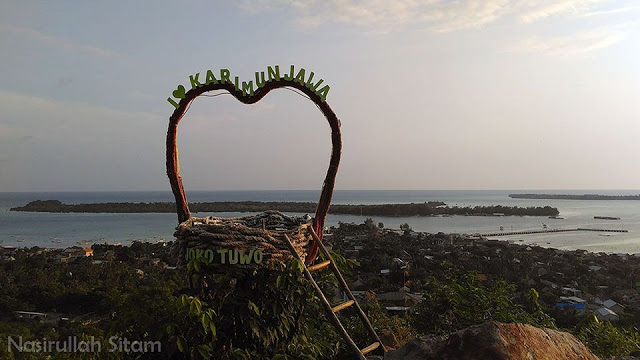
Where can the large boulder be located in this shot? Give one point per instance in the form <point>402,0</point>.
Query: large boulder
<point>496,341</point>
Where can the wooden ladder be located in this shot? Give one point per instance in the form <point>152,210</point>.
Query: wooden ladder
<point>331,311</point>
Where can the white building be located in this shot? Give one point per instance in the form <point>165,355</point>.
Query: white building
<point>573,299</point>
<point>614,306</point>
<point>605,314</point>
<point>570,291</point>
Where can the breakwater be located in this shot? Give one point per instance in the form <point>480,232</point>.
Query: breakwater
<point>544,231</point>
<point>574,197</point>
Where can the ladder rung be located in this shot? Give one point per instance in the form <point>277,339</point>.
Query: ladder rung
<point>319,266</point>
<point>331,311</point>
<point>370,348</point>
<point>344,305</point>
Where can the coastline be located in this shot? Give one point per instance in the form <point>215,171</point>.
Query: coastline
<point>457,239</point>
<point>39,229</point>
<point>430,208</point>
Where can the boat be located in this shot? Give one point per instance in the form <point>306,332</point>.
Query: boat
<point>557,217</point>
<point>606,217</point>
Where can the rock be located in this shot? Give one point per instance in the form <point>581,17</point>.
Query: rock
<point>496,341</point>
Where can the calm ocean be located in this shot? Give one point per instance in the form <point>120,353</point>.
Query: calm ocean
<point>61,230</point>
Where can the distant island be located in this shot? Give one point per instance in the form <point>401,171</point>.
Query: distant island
<point>575,197</point>
<point>431,208</point>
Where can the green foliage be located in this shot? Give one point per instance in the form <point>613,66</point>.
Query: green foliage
<point>14,330</point>
<point>267,312</point>
<point>239,313</point>
<point>537,316</point>
<point>405,227</point>
<point>464,300</point>
<point>390,327</point>
<point>345,265</point>
<point>101,300</point>
<point>606,340</point>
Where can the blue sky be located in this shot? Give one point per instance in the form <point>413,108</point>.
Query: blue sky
<point>432,94</point>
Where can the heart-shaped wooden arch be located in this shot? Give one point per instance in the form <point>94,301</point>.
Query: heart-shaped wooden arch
<point>173,163</point>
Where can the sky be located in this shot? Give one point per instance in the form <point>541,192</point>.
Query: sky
<point>433,94</point>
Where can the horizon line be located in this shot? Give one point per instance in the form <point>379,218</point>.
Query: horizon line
<point>317,190</point>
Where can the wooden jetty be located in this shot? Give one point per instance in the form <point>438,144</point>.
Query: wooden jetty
<point>543,231</point>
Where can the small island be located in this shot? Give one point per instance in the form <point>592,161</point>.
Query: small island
<point>431,208</point>
<point>574,197</point>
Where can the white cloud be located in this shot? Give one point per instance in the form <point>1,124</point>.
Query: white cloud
<point>577,43</point>
<point>539,10</point>
<point>436,15</point>
<point>441,16</point>
<point>609,12</point>
<point>56,41</point>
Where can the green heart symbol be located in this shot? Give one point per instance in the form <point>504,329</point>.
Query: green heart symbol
<point>179,92</point>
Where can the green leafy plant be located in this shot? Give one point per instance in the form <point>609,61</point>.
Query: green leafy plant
<point>266,312</point>
<point>606,340</point>
<point>464,300</point>
<point>395,331</point>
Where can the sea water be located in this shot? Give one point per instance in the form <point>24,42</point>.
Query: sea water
<point>63,230</point>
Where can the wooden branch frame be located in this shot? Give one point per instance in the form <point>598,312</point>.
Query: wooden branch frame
<point>173,163</point>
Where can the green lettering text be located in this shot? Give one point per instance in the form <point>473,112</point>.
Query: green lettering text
<point>323,92</point>
<point>210,78</point>
<point>247,88</point>
<point>273,74</point>
<point>257,257</point>
<point>209,256</point>
<point>172,102</point>
<point>315,87</point>
<point>194,81</point>
<point>245,259</point>
<point>224,76</point>
<point>223,255</point>
<point>260,79</point>
<point>309,83</point>
<point>290,76</point>
<point>233,257</point>
<point>300,77</point>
